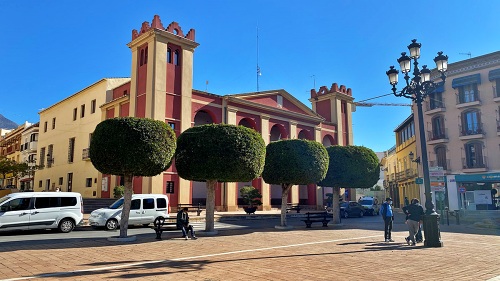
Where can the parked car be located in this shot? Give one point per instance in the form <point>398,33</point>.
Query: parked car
<point>145,208</point>
<point>370,204</point>
<point>351,209</point>
<point>41,210</point>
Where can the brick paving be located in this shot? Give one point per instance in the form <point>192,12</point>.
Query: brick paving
<point>349,252</point>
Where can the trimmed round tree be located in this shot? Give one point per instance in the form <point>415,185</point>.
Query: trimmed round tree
<point>350,167</point>
<point>219,153</point>
<point>291,162</point>
<point>131,147</point>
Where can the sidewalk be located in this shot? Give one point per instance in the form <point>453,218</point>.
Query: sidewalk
<point>353,251</point>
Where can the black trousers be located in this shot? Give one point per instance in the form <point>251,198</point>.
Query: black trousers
<point>387,227</point>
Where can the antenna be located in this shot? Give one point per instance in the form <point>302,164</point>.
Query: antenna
<point>314,79</point>
<point>258,68</point>
<point>467,54</point>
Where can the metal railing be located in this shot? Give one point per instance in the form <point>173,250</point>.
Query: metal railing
<point>445,165</point>
<point>435,104</point>
<point>467,97</point>
<point>473,129</point>
<point>437,135</point>
<point>474,163</point>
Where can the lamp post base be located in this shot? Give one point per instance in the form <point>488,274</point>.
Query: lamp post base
<point>431,231</point>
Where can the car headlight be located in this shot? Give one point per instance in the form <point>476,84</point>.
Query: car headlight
<point>98,215</point>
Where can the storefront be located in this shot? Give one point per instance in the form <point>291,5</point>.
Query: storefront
<point>473,192</point>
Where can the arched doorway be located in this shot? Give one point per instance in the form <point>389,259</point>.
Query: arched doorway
<point>247,122</point>
<point>203,117</point>
<point>327,141</point>
<point>304,135</point>
<point>278,132</point>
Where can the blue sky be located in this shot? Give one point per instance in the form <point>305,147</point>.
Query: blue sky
<point>52,49</point>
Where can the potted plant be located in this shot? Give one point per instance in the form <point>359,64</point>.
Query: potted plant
<point>251,196</point>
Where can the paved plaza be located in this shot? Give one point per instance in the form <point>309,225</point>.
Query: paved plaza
<point>353,251</point>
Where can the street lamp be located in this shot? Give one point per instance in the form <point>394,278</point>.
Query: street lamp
<point>417,89</point>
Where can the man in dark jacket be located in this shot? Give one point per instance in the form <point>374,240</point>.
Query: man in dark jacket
<point>183,223</point>
<point>414,213</point>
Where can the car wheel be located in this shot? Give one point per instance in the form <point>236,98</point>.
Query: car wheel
<point>111,224</point>
<point>361,213</point>
<point>66,225</point>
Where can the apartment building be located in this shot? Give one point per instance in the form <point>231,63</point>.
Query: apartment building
<point>10,147</point>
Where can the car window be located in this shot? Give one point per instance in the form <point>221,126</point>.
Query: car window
<point>344,204</point>
<point>136,204</point>
<point>161,203</point>
<point>68,201</point>
<point>353,204</point>
<point>118,204</point>
<point>3,199</point>
<point>366,202</point>
<point>148,203</point>
<point>46,202</point>
<point>18,204</point>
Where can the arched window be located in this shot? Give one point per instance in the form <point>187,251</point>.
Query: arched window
<point>327,141</point>
<point>176,57</point>
<point>438,128</point>
<point>303,135</point>
<point>441,157</point>
<point>471,123</point>
<point>247,122</point>
<point>142,58</point>
<point>169,55</point>
<point>277,133</point>
<point>146,56</point>
<point>202,118</point>
<point>474,155</point>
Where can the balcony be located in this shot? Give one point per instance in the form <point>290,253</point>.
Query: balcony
<point>474,165</point>
<point>435,106</point>
<point>474,131</point>
<point>85,154</point>
<point>445,165</point>
<point>437,137</point>
<point>469,99</point>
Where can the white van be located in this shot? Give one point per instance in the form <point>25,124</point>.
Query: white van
<point>41,210</point>
<point>145,208</point>
<point>370,204</point>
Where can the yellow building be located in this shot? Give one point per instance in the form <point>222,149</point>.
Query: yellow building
<point>64,137</point>
<point>401,169</point>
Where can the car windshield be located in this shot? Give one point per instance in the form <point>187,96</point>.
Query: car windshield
<point>344,204</point>
<point>3,199</point>
<point>366,202</point>
<point>117,204</point>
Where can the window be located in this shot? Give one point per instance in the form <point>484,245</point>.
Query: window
<point>125,93</point>
<point>82,113</point>
<point>148,203</point>
<point>53,123</point>
<point>88,182</point>
<point>75,110</point>
<point>441,157</point>
<point>146,56</point>
<point>18,204</point>
<point>468,93</point>
<point>169,55</point>
<point>47,184</point>
<point>136,204</point>
<point>172,125</point>
<point>92,106</point>
<point>68,201</point>
<point>40,184</point>
<point>471,124</point>
<point>176,57</point>
<point>170,187</point>
<point>46,202</point>
<point>161,203</point>
<point>474,155</point>
<point>50,156</point>
<point>71,150</point>
<point>34,137</point>
<point>142,58</point>
<point>438,131</point>
<point>60,181</point>
<point>496,88</point>
<point>436,100</point>
<point>45,127</point>
<point>279,100</point>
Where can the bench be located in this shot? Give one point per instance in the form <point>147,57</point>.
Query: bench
<point>316,217</point>
<point>162,224</point>
<point>290,206</point>
<point>197,208</point>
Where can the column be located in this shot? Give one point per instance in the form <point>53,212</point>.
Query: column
<point>266,189</point>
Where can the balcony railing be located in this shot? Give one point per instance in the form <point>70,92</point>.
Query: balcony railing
<point>85,154</point>
<point>435,104</point>
<point>469,97</point>
<point>432,135</point>
<point>474,163</point>
<point>472,129</point>
<point>445,164</point>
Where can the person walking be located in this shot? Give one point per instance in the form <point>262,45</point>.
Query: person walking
<point>388,216</point>
<point>183,223</point>
<point>415,213</point>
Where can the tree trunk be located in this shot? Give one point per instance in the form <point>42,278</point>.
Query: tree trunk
<point>127,201</point>
<point>336,205</point>
<point>285,188</point>
<point>209,220</point>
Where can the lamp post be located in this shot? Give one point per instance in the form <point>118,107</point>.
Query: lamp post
<point>417,89</point>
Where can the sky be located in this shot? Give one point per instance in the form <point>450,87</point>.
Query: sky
<point>52,49</point>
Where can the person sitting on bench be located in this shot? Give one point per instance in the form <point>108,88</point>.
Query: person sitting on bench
<point>183,223</point>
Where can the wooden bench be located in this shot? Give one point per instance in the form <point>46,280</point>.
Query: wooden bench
<point>162,224</point>
<point>197,208</point>
<point>290,206</point>
<point>316,217</point>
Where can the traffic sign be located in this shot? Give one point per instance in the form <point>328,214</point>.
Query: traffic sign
<point>419,181</point>
<point>437,183</point>
<point>462,189</point>
<point>436,173</point>
<point>435,168</point>
<point>440,179</point>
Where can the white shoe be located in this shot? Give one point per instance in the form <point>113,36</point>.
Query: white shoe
<point>390,240</point>
<point>186,238</point>
<point>386,240</point>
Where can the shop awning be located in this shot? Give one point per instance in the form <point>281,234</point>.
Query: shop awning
<point>466,80</point>
<point>494,74</point>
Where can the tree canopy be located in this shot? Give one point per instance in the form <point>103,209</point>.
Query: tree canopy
<point>129,147</point>
<point>290,162</point>
<point>219,153</point>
